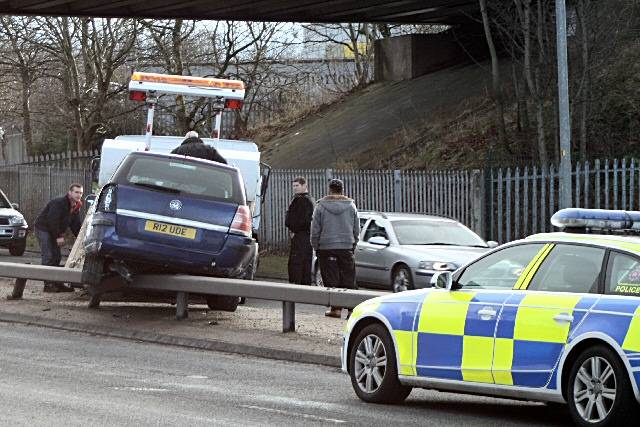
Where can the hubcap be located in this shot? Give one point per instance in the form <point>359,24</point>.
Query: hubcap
<point>370,364</point>
<point>400,281</point>
<point>594,389</point>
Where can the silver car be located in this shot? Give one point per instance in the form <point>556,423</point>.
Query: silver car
<point>399,251</point>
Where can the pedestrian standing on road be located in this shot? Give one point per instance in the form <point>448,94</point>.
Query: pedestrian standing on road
<point>58,215</point>
<point>298,221</point>
<point>335,229</point>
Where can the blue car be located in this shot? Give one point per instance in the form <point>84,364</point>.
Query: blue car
<point>163,213</point>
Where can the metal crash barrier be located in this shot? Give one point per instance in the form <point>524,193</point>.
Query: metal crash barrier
<point>183,285</point>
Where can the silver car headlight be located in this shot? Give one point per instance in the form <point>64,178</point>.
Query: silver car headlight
<point>17,220</point>
<point>436,265</point>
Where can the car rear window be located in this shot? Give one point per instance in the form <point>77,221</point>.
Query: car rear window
<point>181,176</point>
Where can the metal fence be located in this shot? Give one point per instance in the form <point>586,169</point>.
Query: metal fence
<point>67,160</point>
<point>455,194</point>
<point>33,186</point>
<point>499,204</point>
<point>521,201</point>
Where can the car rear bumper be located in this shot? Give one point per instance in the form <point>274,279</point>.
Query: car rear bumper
<point>236,254</point>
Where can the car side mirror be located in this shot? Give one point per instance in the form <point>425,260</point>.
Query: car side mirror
<point>492,244</point>
<point>15,206</point>
<point>90,199</point>
<point>442,280</point>
<point>379,240</point>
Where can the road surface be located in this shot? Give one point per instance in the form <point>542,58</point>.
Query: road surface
<point>50,377</point>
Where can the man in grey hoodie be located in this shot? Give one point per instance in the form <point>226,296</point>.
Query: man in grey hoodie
<point>334,234</point>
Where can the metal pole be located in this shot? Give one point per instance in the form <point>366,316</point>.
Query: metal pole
<point>18,289</point>
<point>563,105</point>
<point>218,128</point>
<point>149,129</point>
<point>288,316</point>
<point>182,304</point>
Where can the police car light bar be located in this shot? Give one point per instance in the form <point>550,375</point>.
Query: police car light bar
<point>188,85</point>
<point>596,219</point>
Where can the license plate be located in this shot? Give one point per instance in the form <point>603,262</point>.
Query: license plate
<point>170,229</point>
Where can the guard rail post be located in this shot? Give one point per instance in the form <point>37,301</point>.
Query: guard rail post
<point>182,305</point>
<point>288,316</point>
<point>18,289</point>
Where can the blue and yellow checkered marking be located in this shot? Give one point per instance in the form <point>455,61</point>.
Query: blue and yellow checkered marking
<point>453,342</point>
<point>632,338</point>
<point>444,337</point>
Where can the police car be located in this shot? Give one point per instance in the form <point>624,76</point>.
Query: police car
<point>554,317</point>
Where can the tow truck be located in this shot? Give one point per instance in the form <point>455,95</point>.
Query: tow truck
<point>112,245</point>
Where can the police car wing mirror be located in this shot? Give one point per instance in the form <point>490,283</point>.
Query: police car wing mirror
<point>15,206</point>
<point>442,280</point>
<point>492,244</point>
<point>90,199</point>
<point>379,240</point>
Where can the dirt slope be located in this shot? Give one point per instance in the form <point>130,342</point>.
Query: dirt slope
<point>367,119</point>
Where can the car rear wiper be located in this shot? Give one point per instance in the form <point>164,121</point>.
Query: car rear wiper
<point>157,187</point>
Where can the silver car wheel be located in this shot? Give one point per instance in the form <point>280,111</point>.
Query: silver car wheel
<point>370,363</point>
<point>594,389</point>
<point>400,281</point>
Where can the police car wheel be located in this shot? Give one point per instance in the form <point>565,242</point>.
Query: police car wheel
<point>222,302</point>
<point>401,280</point>
<point>373,368</point>
<point>599,392</point>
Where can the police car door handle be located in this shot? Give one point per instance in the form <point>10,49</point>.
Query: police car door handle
<point>487,313</point>
<point>563,317</point>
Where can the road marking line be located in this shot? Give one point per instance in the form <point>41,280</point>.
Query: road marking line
<point>140,389</point>
<point>294,414</point>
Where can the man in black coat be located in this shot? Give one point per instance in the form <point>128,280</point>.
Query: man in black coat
<point>53,221</point>
<point>193,146</point>
<point>298,221</point>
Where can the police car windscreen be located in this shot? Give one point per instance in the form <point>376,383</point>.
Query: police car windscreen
<point>423,232</point>
<point>181,176</point>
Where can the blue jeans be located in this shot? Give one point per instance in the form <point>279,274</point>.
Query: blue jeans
<point>49,250</point>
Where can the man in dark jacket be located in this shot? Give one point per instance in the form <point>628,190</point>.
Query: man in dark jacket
<point>298,221</point>
<point>193,146</point>
<point>335,230</point>
<point>53,221</point>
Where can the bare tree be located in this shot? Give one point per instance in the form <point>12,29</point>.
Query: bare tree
<point>349,41</point>
<point>22,60</point>
<point>496,83</point>
<point>90,53</point>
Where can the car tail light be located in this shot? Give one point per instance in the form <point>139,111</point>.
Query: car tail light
<point>233,104</point>
<point>241,223</point>
<point>136,95</point>
<point>108,199</point>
